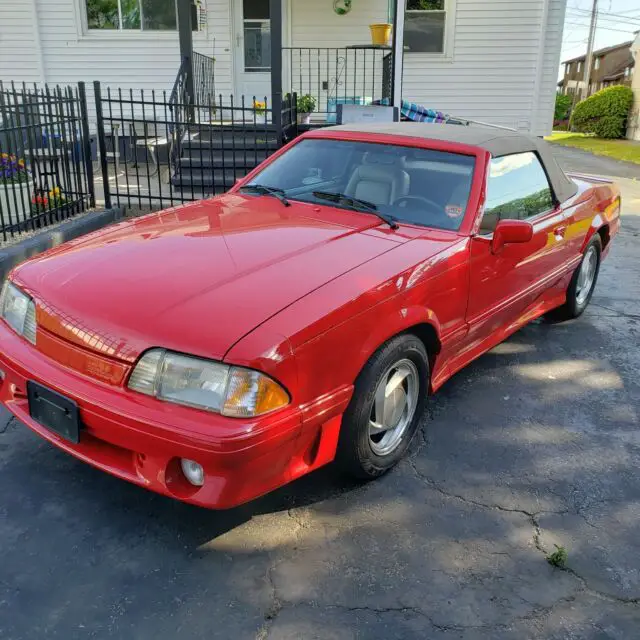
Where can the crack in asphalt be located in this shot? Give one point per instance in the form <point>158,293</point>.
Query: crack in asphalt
<point>537,533</point>
<point>633,316</point>
<point>276,604</point>
<point>4,428</point>
<point>537,613</point>
<point>299,521</point>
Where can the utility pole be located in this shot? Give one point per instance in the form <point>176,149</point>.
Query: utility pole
<point>589,56</point>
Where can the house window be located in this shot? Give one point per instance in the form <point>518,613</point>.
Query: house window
<point>596,64</point>
<point>579,66</point>
<point>137,15</point>
<point>627,72</point>
<point>257,35</point>
<point>424,27</point>
<point>566,69</point>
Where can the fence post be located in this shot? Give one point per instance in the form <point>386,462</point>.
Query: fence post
<point>102,144</point>
<point>275,15</point>
<point>86,144</point>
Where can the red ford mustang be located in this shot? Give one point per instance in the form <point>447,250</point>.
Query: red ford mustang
<point>218,350</point>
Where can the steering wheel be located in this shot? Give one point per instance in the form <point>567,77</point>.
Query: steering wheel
<point>418,199</point>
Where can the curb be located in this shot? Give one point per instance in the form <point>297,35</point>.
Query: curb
<point>17,253</point>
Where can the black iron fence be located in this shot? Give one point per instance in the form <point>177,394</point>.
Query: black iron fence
<point>46,173</point>
<point>159,149</point>
<point>327,76</point>
<point>153,149</point>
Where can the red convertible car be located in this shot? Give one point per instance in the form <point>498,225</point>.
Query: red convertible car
<point>220,349</point>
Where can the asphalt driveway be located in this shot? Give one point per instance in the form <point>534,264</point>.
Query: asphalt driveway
<point>535,444</point>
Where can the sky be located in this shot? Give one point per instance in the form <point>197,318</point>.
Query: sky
<point>617,20</point>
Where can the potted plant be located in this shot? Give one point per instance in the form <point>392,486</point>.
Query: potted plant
<point>260,108</point>
<point>306,106</point>
<point>14,189</point>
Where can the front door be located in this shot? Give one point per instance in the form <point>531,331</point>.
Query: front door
<point>504,284</point>
<point>252,50</point>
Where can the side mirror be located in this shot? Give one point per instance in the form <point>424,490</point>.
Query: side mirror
<point>511,231</point>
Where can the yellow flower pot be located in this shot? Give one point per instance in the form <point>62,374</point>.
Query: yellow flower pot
<point>380,33</point>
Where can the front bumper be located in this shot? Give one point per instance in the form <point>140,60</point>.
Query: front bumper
<point>141,439</point>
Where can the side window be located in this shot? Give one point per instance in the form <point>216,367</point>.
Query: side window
<point>517,189</point>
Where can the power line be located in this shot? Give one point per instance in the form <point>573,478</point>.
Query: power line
<point>606,15</point>
<point>578,24</point>
<point>609,23</point>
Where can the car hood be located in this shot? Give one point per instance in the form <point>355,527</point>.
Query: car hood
<point>196,278</point>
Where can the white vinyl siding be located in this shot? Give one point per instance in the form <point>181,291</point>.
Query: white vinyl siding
<point>492,74</point>
<point>501,65</point>
<point>126,60</point>
<point>544,101</point>
<point>20,58</point>
<point>315,24</point>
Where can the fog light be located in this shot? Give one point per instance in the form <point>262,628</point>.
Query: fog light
<point>193,472</point>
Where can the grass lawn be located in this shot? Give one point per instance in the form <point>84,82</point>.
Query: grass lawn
<point>619,149</point>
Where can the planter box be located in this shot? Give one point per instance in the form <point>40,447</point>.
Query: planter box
<point>15,205</point>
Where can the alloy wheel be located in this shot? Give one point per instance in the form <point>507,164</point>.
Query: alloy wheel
<point>394,406</point>
<point>587,275</point>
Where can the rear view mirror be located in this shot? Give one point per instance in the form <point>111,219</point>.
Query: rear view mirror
<point>509,232</point>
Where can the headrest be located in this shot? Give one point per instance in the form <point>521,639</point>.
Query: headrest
<point>375,173</point>
<point>381,158</point>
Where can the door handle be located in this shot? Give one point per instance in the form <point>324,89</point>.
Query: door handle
<point>559,232</point>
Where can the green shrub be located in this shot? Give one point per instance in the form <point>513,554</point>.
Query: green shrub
<point>610,127</point>
<point>604,113</point>
<point>563,106</point>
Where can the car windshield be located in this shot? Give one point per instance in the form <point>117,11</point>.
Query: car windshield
<point>404,184</point>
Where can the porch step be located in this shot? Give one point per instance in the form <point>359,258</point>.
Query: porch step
<point>206,180</point>
<point>208,158</point>
<point>229,143</point>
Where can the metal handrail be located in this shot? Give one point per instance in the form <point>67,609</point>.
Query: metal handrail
<point>178,106</point>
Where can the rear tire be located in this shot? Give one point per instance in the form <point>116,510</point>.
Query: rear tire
<point>582,283</point>
<point>384,413</point>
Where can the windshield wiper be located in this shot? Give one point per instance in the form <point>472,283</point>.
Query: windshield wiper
<point>356,204</point>
<point>272,191</point>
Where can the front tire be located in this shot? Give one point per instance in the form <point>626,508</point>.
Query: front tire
<point>582,283</point>
<point>384,413</point>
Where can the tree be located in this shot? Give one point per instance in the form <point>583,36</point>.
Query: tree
<point>563,106</point>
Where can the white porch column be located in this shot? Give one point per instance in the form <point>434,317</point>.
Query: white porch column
<point>398,51</point>
<point>37,42</point>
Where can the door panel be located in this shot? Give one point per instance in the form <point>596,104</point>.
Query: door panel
<point>504,284</point>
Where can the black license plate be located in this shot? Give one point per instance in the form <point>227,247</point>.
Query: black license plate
<point>54,411</point>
